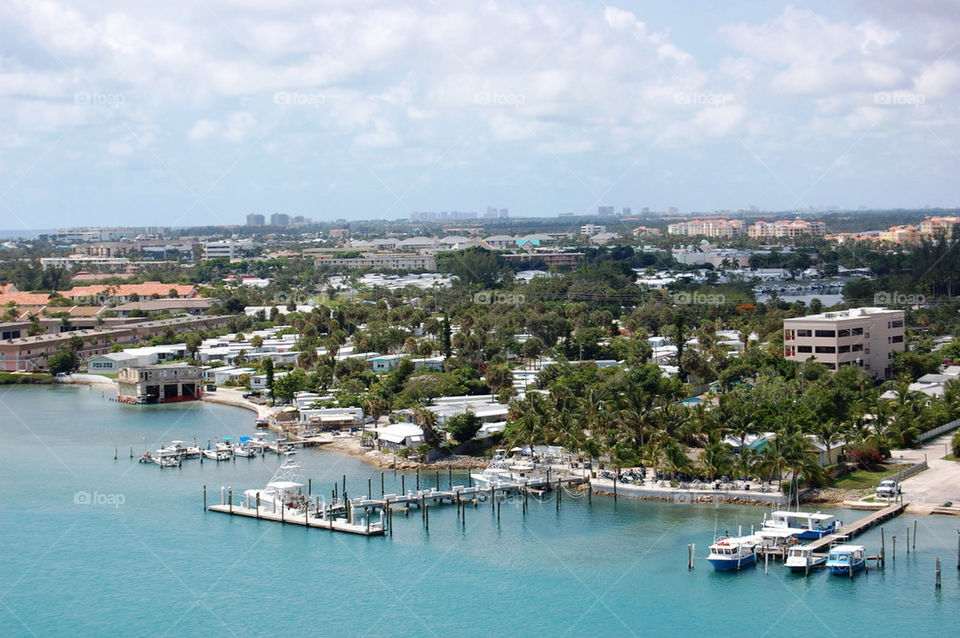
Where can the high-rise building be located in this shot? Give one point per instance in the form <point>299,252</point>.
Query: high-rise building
<point>279,219</point>
<point>254,219</point>
<point>605,211</point>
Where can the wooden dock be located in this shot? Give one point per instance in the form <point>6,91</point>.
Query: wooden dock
<point>855,529</point>
<point>376,514</point>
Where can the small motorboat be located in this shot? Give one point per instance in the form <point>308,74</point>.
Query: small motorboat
<point>733,553</point>
<point>216,454</point>
<point>846,560</point>
<point>801,560</point>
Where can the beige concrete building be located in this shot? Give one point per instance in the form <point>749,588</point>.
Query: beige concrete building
<point>867,337</point>
<point>784,228</point>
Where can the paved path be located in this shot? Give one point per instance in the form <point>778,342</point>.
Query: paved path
<point>934,486</point>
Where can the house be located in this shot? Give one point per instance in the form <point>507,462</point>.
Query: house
<point>225,375</point>
<point>332,418</point>
<point>159,384</point>
<point>429,363</point>
<point>386,363</point>
<point>258,382</point>
<point>399,435</point>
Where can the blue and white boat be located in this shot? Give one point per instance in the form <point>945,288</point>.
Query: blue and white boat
<point>804,525</point>
<point>846,560</point>
<point>733,553</point>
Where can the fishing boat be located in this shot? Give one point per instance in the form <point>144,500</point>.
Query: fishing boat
<point>217,454</point>
<point>246,448</point>
<point>166,461</point>
<point>802,560</point>
<point>262,424</point>
<point>285,489</point>
<point>497,472</point>
<point>733,553</point>
<point>803,525</point>
<point>846,560</point>
<point>178,449</point>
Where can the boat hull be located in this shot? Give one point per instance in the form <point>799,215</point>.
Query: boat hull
<point>732,564</point>
<point>814,564</point>
<point>814,534</point>
<point>844,570</point>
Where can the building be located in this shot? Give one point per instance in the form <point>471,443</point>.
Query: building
<point>381,262</point>
<point>901,235</point>
<point>227,248</point>
<point>279,219</point>
<point>399,435</point>
<point>100,294</point>
<point>867,337</point>
<point>605,211</point>
<point>935,227</point>
<point>103,263</point>
<point>708,228</point>
<point>644,231</point>
<point>592,229</point>
<point>785,229</point>
<point>549,258</point>
<point>159,384</point>
<point>194,306</point>
<point>254,219</point>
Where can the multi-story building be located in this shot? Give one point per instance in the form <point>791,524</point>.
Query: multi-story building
<point>592,229</point>
<point>606,211</point>
<point>400,261</point>
<point>900,235</point>
<point>708,228</point>
<point>934,227</point>
<point>867,337</point>
<point>784,228</point>
<point>279,219</point>
<point>229,248</point>
<point>254,219</point>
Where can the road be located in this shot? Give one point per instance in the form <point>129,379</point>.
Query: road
<point>938,484</point>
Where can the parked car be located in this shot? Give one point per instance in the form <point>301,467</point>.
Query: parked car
<point>888,488</point>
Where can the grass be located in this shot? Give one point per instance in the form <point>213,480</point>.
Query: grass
<point>951,457</point>
<point>8,378</point>
<point>866,479</point>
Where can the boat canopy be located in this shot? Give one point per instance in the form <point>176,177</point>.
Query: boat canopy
<point>812,516</point>
<point>284,485</point>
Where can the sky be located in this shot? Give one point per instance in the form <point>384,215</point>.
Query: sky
<point>201,111</point>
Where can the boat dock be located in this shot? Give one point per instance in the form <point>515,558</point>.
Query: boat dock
<point>367,516</point>
<point>855,529</point>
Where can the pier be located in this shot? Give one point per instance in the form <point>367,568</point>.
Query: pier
<point>855,529</point>
<point>366,516</point>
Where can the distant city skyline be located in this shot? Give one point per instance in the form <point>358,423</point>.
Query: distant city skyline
<point>178,115</point>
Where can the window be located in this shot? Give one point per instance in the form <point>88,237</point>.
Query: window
<point>803,333</point>
<point>856,332</point>
<point>843,333</point>
<point>895,324</point>
<point>826,350</point>
<point>896,339</point>
<point>857,347</point>
<point>825,333</point>
<point>843,349</point>
<point>805,349</point>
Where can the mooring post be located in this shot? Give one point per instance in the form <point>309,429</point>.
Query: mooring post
<point>908,540</point>
<point>403,484</point>
<point>615,484</point>
<point>418,479</point>
<point>493,496</point>
<point>498,512</point>
<point>766,561</point>
<point>382,491</point>
<point>958,549</point>
<point>689,556</point>
<point>230,492</point>
<point>438,480</point>
<point>344,490</point>
<point>589,493</point>
<point>450,477</point>
<point>369,488</point>
<point>205,509</point>
<point>258,504</point>
<point>309,487</point>
<point>938,572</point>
<point>894,547</point>
<point>883,550</point>
<point>914,535</point>
<point>426,518</point>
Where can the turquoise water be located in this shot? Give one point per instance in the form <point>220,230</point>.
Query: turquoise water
<point>144,559</point>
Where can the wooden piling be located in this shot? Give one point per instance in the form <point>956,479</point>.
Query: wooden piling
<point>450,477</point>
<point>438,479</point>
<point>883,550</point>
<point>205,509</point>
<point>908,540</point>
<point>426,518</point>
<point>894,547</point>
<point>498,512</point>
<point>689,556</point>
<point>369,488</point>
<point>382,491</point>
<point>615,485</point>
<point>230,493</point>
<point>114,453</point>
<point>344,490</point>
<point>309,487</point>
<point>938,573</point>
<point>403,484</point>
<point>418,479</point>
<point>258,504</point>
<point>914,535</point>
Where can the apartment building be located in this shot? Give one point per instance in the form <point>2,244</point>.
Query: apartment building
<point>900,235</point>
<point>934,227</point>
<point>400,261</point>
<point>708,228</point>
<point>867,337</point>
<point>785,229</point>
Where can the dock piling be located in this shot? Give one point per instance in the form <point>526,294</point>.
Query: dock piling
<point>230,491</point>
<point>382,492</point>
<point>205,509</point>
<point>403,484</point>
<point>689,556</point>
<point>418,479</point>
<point>938,573</point>
<point>914,535</point>
<point>894,548</point>
<point>450,477</point>
<point>883,550</point>
<point>309,487</point>
<point>369,488</point>
<point>908,540</point>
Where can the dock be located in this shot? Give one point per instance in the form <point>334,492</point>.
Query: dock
<point>367,516</point>
<point>855,529</point>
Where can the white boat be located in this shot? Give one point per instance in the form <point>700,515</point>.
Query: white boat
<point>733,553</point>
<point>846,560</point>
<point>497,472</point>
<point>803,525</point>
<point>801,560</point>
<point>166,460</point>
<point>216,454</point>
<point>177,448</point>
<point>285,489</point>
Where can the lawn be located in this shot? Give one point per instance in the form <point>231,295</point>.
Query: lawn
<point>866,479</point>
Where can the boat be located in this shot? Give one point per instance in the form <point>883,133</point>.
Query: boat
<point>733,553</point>
<point>846,560</point>
<point>803,525</point>
<point>497,472</point>
<point>246,448</point>
<point>285,489</point>
<point>166,461</point>
<point>217,453</point>
<point>262,424</point>
<point>178,449</point>
<point>802,560</point>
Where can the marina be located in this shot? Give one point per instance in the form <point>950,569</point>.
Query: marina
<point>591,565</point>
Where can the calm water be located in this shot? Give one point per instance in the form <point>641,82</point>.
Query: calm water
<point>144,559</point>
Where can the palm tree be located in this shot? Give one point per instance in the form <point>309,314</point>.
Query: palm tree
<point>427,420</point>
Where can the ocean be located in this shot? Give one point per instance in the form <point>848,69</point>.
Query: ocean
<point>92,546</point>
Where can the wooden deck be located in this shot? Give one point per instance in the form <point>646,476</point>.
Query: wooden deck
<point>332,524</point>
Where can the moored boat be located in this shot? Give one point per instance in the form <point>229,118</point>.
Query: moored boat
<point>846,560</point>
<point>733,553</point>
<point>497,472</point>
<point>801,559</point>
<point>803,525</point>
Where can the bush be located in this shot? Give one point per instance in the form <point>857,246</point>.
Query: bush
<point>955,444</point>
<point>866,456</point>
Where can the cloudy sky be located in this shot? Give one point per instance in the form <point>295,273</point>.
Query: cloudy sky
<point>201,111</point>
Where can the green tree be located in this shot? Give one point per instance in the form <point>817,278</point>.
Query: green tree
<point>463,427</point>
